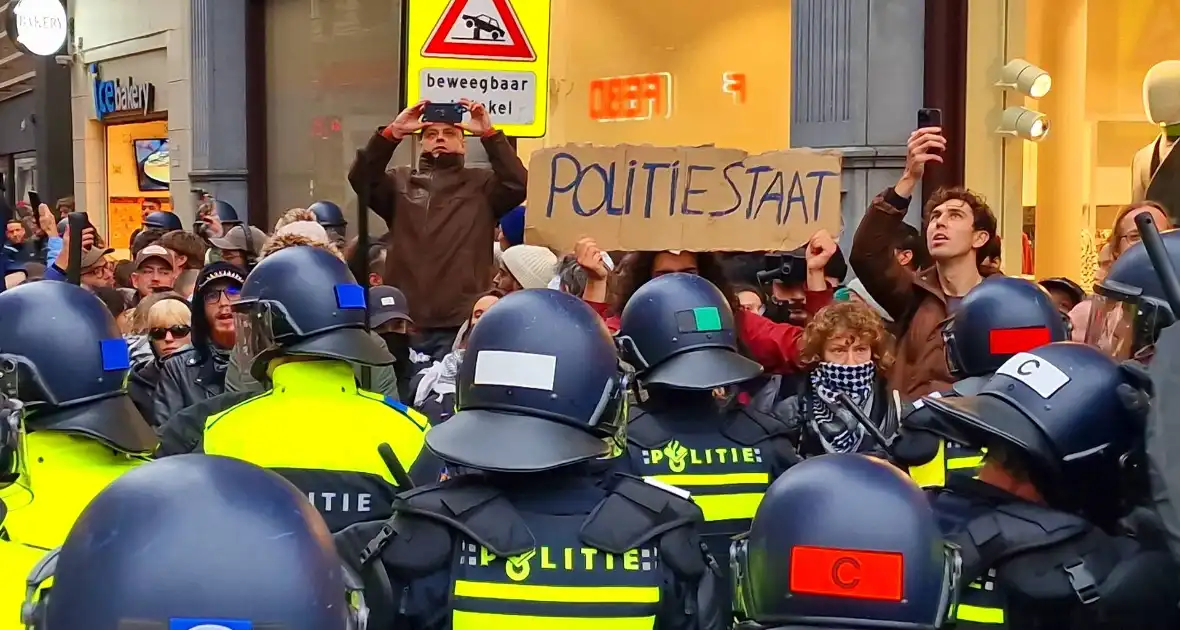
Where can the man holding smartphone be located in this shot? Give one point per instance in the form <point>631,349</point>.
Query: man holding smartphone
<point>441,214</point>
<point>959,226</point>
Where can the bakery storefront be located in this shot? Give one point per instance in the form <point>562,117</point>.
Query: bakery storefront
<point>127,143</point>
<point>669,73</point>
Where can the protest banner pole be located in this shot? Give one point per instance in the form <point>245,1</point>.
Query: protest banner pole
<point>360,259</point>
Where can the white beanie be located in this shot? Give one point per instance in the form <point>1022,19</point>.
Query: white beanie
<point>533,266</point>
<point>310,230</point>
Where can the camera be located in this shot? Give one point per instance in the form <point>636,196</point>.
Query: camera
<point>786,267</point>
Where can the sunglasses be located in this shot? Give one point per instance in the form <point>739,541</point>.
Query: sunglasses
<point>159,334</point>
<point>232,294</point>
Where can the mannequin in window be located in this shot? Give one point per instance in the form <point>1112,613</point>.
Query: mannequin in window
<point>1155,171</point>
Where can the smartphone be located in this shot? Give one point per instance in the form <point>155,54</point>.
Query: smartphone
<point>451,113</point>
<point>929,117</point>
<point>34,201</point>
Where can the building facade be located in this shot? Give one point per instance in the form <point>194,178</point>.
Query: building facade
<point>131,109</point>
<point>34,90</point>
<point>263,103</point>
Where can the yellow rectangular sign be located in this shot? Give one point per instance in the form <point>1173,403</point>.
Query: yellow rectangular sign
<point>495,52</point>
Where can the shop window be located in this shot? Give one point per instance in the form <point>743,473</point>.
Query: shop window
<point>24,176</point>
<point>333,77</point>
<point>138,176</point>
<point>667,72</point>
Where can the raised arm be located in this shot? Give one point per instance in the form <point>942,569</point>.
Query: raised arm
<point>506,188</point>
<point>367,173</point>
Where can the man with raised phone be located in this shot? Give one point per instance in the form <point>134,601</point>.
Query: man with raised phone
<point>958,227</point>
<point>441,214</point>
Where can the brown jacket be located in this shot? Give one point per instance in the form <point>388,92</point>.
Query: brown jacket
<point>442,223</point>
<point>914,300</point>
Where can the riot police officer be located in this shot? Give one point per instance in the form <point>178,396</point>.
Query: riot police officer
<point>162,220</point>
<point>862,552</point>
<point>300,321</point>
<point>1039,529</point>
<point>544,535</point>
<point>1129,308</point>
<point>329,215</point>
<point>678,332</point>
<point>232,546</point>
<point>67,425</point>
<point>998,318</point>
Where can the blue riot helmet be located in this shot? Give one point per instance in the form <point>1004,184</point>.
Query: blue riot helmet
<point>539,388</point>
<point>1071,289</point>
<point>678,331</point>
<point>329,215</point>
<point>227,214</point>
<point>69,365</point>
<point>197,541</point>
<point>1129,309</point>
<point>997,319</point>
<point>162,220</point>
<point>303,301</point>
<point>1061,410</point>
<point>864,551</point>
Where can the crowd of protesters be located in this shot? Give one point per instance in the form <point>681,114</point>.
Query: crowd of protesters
<point>819,321</point>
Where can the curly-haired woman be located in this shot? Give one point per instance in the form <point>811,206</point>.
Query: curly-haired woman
<point>847,350</point>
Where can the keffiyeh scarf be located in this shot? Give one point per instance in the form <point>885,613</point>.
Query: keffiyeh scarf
<point>837,431</point>
<point>439,378</point>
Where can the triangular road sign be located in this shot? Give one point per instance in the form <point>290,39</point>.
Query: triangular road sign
<point>479,29</point>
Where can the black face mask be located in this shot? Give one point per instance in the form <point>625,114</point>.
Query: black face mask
<point>399,347</point>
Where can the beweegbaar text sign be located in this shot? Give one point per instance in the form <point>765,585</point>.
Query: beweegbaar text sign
<point>692,198</point>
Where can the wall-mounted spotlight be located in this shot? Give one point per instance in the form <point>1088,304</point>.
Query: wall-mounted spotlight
<point>1024,123</point>
<point>1025,78</point>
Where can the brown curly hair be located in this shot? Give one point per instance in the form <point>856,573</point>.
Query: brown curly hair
<point>846,318</point>
<point>984,220</point>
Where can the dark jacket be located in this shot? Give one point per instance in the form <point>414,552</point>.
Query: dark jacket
<point>442,221</point>
<point>141,386</point>
<point>915,301</point>
<point>796,412</point>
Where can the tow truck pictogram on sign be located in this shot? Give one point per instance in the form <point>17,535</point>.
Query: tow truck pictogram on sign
<point>479,29</point>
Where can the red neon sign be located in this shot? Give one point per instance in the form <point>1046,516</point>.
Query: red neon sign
<point>634,97</point>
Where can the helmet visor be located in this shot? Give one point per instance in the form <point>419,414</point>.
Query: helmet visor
<point>16,489</point>
<point>254,335</point>
<point>1111,328</point>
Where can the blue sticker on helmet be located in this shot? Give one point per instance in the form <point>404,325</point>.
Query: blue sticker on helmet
<point>116,356</point>
<point>350,296</point>
<point>183,623</point>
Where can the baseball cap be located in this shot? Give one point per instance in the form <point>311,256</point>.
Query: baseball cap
<point>235,239</point>
<point>387,304</point>
<point>93,256</point>
<point>154,251</point>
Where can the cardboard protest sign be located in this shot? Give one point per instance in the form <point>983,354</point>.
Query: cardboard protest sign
<point>692,198</point>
